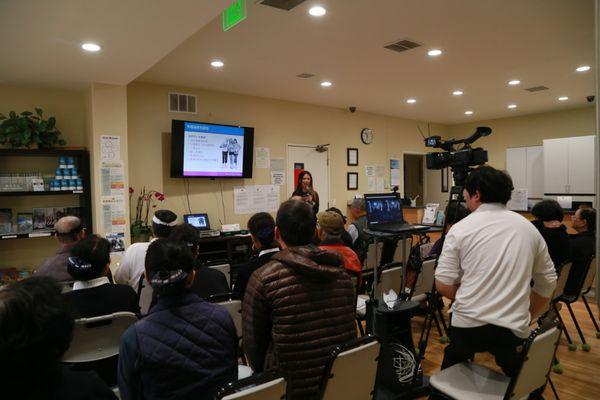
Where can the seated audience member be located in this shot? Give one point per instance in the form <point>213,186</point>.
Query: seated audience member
<point>69,231</point>
<point>132,263</point>
<point>35,331</point>
<point>330,226</point>
<point>486,266</point>
<point>207,281</point>
<point>360,240</point>
<point>262,232</point>
<point>93,295</point>
<point>583,247</point>
<point>346,238</point>
<point>185,348</point>
<point>298,306</point>
<point>453,215</point>
<point>548,220</point>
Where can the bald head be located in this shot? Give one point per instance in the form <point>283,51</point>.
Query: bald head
<point>68,229</point>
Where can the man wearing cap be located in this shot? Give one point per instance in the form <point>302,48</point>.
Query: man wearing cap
<point>357,228</point>
<point>69,230</point>
<point>330,227</point>
<point>132,263</point>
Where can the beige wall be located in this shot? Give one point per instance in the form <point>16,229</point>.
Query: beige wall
<point>528,130</point>
<point>68,108</point>
<point>276,124</point>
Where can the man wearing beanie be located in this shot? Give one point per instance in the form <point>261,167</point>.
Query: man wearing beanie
<point>330,227</point>
<point>132,263</point>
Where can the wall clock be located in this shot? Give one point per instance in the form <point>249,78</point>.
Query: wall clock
<point>366,135</point>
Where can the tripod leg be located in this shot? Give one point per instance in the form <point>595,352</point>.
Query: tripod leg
<point>584,345</point>
<point>589,310</point>
<point>437,326</point>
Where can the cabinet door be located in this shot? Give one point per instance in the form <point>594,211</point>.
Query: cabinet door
<point>581,165</point>
<point>516,166</point>
<point>556,164</point>
<point>535,171</point>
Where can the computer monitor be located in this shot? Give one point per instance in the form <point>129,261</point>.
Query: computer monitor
<point>383,208</point>
<point>199,221</point>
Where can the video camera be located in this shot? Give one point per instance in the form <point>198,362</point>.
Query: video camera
<point>458,159</point>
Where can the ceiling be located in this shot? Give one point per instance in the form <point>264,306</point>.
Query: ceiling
<point>40,40</point>
<point>485,44</point>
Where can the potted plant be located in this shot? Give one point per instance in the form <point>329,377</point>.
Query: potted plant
<point>140,229</point>
<point>29,130</point>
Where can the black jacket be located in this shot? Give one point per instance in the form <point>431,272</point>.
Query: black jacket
<point>209,281</point>
<point>557,240</point>
<point>583,247</point>
<point>246,270</point>
<point>102,300</point>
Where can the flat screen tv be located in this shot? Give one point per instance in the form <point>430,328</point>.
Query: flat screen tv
<point>203,150</point>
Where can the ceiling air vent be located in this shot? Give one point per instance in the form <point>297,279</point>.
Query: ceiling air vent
<point>402,45</point>
<point>305,75</point>
<point>182,103</point>
<point>536,89</point>
<point>282,4</point>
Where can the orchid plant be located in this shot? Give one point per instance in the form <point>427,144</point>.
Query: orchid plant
<point>145,202</point>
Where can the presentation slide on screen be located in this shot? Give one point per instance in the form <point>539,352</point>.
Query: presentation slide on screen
<point>213,150</point>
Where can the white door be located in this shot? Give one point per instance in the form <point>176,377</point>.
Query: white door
<point>535,171</point>
<point>556,166</point>
<point>313,161</point>
<point>581,165</point>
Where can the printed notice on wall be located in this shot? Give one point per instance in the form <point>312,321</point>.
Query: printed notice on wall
<point>277,164</point>
<point>112,179</point>
<point>110,147</point>
<point>255,198</point>
<point>113,214</point>
<point>370,170</point>
<point>394,172</point>
<point>116,241</point>
<point>262,157</point>
<point>518,200</point>
<point>277,178</point>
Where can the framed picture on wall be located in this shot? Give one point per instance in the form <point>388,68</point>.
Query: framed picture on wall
<point>352,181</point>
<point>445,180</point>
<point>352,157</point>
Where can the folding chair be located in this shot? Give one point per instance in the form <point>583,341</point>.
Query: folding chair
<point>587,286</point>
<point>98,338</point>
<point>422,292</point>
<point>264,386</point>
<point>470,381</point>
<point>569,299</point>
<point>225,269</point>
<point>234,308</point>
<point>351,371</point>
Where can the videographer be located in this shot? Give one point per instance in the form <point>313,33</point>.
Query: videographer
<point>486,266</point>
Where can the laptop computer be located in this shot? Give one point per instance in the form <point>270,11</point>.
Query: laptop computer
<point>384,214</point>
<point>198,221</point>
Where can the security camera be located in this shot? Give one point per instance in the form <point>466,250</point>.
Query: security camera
<point>590,99</point>
<point>352,109</point>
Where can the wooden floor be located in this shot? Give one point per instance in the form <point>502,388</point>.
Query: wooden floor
<point>581,377</point>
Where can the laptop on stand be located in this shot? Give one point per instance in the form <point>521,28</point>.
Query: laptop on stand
<point>384,214</point>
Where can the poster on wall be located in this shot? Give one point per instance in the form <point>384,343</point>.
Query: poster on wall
<point>394,172</point>
<point>255,198</point>
<point>112,178</point>
<point>116,241</point>
<point>262,157</point>
<point>113,214</point>
<point>110,147</point>
<point>277,178</point>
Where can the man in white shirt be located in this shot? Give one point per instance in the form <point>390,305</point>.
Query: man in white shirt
<point>486,266</point>
<point>132,263</point>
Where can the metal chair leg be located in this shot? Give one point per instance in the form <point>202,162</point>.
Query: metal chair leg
<point>360,327</point>
<point>553,389</point>
<point>589,310</point>
<point>572,346</point>
<point>584,345</point>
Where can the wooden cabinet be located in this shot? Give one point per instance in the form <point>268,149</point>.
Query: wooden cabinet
<point>569,165</point>
<point>525,166</point>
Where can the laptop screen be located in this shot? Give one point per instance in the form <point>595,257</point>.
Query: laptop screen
<point>199,221</point>
<point>383,209</point>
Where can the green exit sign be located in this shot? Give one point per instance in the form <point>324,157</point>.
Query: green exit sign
<point>234,14</point>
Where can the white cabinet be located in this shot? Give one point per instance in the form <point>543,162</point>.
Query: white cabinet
<point>525,166</point>
<point>569,166</point>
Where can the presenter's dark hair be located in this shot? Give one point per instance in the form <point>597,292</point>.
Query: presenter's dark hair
<point>262,227</point>
<point>296,223</point>
<point>168,255</point>
<point>588,215</point>
<point>166,216</point>
<point>494,186</point>
<point>36,328</point>
<point>301,175</point>
<point>186,234</point>
<point>92,250</point>
<point>548,210</point>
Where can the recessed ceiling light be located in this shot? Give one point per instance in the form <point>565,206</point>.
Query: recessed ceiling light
<point>457,93</point>
<point>583,68</point>
<point>411,101</point>
<point>217,63</point>
<point>317,11</point>
<point>434,52</point>
<point>326,84</point>
<point>469,112</point>
<point>514,82</point>
<point>91,47</point>
<point>512,106</point>
<point>563,98</point>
